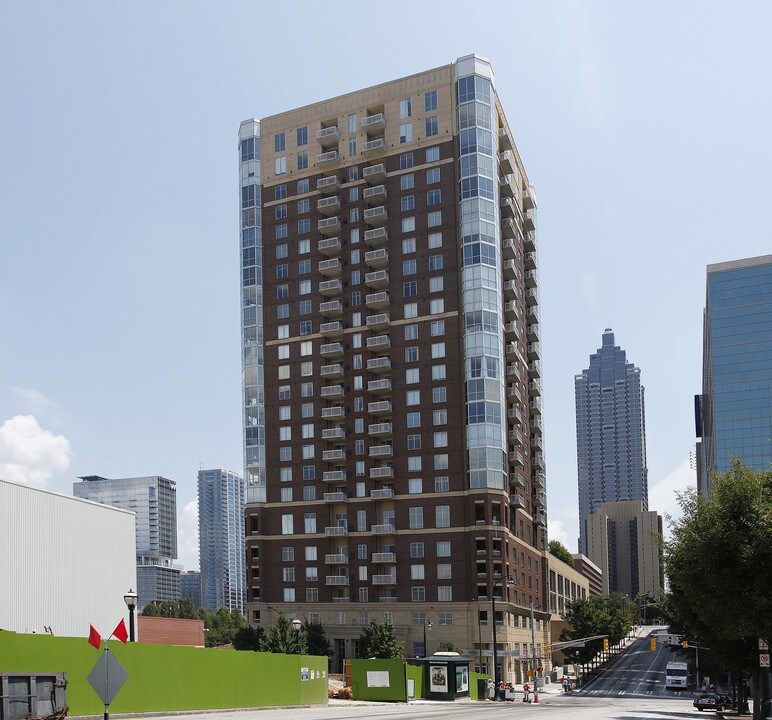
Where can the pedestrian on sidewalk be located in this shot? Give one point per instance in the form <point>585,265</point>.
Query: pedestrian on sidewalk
<point>526,693</point>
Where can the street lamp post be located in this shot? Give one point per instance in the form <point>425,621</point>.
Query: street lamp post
<point>296,625</point>
<point>427,625</point>
<point>533,650</point>
<point>479,633</point>
<point>130,598</point>
<point>496,674</point>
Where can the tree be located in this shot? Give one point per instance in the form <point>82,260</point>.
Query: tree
<point>283,638</point>
<point>379,640</point>
<point>447,647</point>
<point>249,638</point>
<point>719,553</point>
<point>316,637</point>
<point>561,552</point>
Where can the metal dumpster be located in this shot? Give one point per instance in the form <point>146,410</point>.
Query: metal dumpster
<point>32,695</point>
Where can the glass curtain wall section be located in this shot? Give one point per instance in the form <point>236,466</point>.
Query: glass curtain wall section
<point>252,311</point>
<point>481,284</point>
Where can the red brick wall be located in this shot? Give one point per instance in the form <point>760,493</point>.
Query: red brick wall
<point>170,631</point>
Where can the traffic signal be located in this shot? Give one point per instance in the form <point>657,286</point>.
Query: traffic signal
<point>605,644</point>
<point>653,642</point>
<point>685,644</point>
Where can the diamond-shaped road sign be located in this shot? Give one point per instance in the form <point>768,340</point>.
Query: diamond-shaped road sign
<point>107,677</point>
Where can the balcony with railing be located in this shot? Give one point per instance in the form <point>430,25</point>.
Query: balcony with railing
<point>375,195</point>
<point>336,455</point>
<point>508,228</point>
<point>534,387</point>
<point>514,415</point>
<point>540,518</point>
<point>374,174</point>
<point>385,529</point>
<point>331,308</point>
<point>516,437</point>
<point>536,426</point>
<point>377,146</point>
<point>330,268</point>
<point>381,407</point>
<point>328,205</point>
<point>505,142</point>
<point>529,241</point>
<point>510,290</point>
<point>517,501</point>
<point>327,159</point>
<point>334,371</point>
<point>530,261</point>
<point>510,331</point>
<point>508,249</point>
<point>532,314</point>
<point>534,351</point>
<point>537,443</point>
<point>537,462</point>
<point>516,481</point>
<point>513,372</point>
<point>377,280</point>
<point>331,350</point>
<point>336,531</point>
<point>376,216</point>
<point>329,226</point>
<point>535,406</point>
<point>380,429</point>
<point>529,198</point>
<point>336,559</point>
<point>330,287</point>
<point>507,162</point>
<point>511,349</point>
<point>377,322</point>
<point>328,136</point>
<point>513,393</point>
<point>509,269</point>
<point>532,332</point>
<point>381,451</point>
<point>507,207</point>
<point>507,186</point>
<point>328,185</point>
<point>379,387</point>
<point>330,247</point>
<point>511,311</point>
<point>332,392</point>
<point>379,344</point>
<point>377,301</point>
<point>382,472</point>
<point>382,494</point>
<point>534,369</point>
<point>377,237</point>
<point>529,219</point>
<point>336,580</point>
<point>389,579</point>
<point>332,329</point>
<point>334,476</point>
<point>379,365</point>
<point>337,412</point>
<point>516,458</point>
<point>374,124</point>
<point>335,497</point>
<point>377,258</point>
<point>383,558</point>
<point>334,434</point>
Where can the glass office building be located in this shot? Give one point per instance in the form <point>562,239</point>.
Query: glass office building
<point>221,539</point>
<point>735,417</point>
<point>610,433</point>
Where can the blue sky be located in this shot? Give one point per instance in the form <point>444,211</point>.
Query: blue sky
<point>643,127</point>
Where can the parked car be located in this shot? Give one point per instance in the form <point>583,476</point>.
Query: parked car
<point>712,701</point>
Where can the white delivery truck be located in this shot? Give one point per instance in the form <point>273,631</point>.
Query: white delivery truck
<point>677,675</point>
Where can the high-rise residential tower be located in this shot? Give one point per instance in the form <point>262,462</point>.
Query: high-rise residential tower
<point>610,433</point>
<point>221,539</point>
<point>735,411</point>
<point>154,501</point>
<point>389,282</point>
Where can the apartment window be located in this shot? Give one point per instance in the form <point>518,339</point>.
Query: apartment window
<point>417,594</point>
<point>411,376</point>
<point>302,158</point>
<point>414,463</point>
<point>284,392</point>
<point>432,126</point>
<point>282,332</point>
<point>430,100</point>
<point>440,417</point>
<point>353,174</point>
<point>352,122</point>
<point>361,520</point>
<point>438,350</point>
<point>308,431</point>
<point>411,353</point>
<point>304,227</point>
<point>408,224</point>
<point>411,331</point>
<point>309,472</point>
<point>442,516</point>
<point>436,284</point>
<point>303,186</point>
<point>435,240</point>
<point>289,595</point>
<point>410,310</point>
<point>440,439</point>
<point>285,454</point>
<point>359,447</point>
<point>280,231</point>
<point>361,552</point>
<point>437,328</point>
<point>280,192</point>
<point>359,404</point>
<point>306,327</point>
<point>284,372</point>
<point>353,215</point>
<point>302,136</point>
<point>434,219</point>
<point>279,142</point>
<point>304,206</point>
<point>432,176</point>
<point>281,251</point>
<point>416,550</point>
<point>433,154</point>
<point>406,161</point>
<point>286,494</point>
<point>340,618</point>
<point>409,267</point>
<point>415,517</point>
<point>352,146</point>
<point>280,165</point>
<point>285,412</point>
<point>415,486</point>
<point>309,523</point>
<point>285,434</point>
<point>288,554</point>
<point>304,286</point>
<point>444,618</point>
<point>413,397</point>
<point>304,246</point>
<point>405,108</point>
<point>309,492</point>
<point>442,484</point>
<point>308,452</point>
<point>414,420</point>
<point>407,203</point>
<point>312,596</point>
<point>417,572</point>
<point>312,574</point>
<point>282,271</point>
<point>359,490</point>
<point>433,197</point>
<point>414,442</point>
<point>304,307</point>
<point>286,525</point>
<point>407,181</point>
<point>437,306</point>
<point>306,369</point>
<point>439,394</point>
<point>410,289</point>
<point>353,194</point>
<point>408,246</point>
<point>282,292</point>
<point>443,548</point>
<point>444,593</point>
<point>440,462</point>
<point>435,262</point>
<point>359,471</point>
<point>288,574</point>
<point>444,571</point>
<point>307,390</point>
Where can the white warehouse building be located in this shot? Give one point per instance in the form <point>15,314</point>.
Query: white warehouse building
<point>65,563</point>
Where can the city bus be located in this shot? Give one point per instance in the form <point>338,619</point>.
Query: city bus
<point>676,675</point>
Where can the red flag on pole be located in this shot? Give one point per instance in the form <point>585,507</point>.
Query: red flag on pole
<point>94,638</point>
<point>121,633</point>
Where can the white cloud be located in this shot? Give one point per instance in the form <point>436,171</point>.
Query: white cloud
<point>29,454</point>
<point>187,536</point>
<point>556,531</point>
<point>662,494</point>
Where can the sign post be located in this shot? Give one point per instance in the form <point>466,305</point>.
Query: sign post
<point>107,677</point>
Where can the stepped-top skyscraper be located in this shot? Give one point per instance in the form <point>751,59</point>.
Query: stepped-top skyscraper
<point>221,539</point>
<point>736,403</point>
<point>154,500</point>
<point>393,445</point>
<point>610,433</point>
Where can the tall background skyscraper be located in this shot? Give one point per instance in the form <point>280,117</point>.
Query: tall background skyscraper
<point>403,455</point>
<point>153,499</point>
<point>221,539</point>
<point>610,433</point>
<point>735,411</point>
